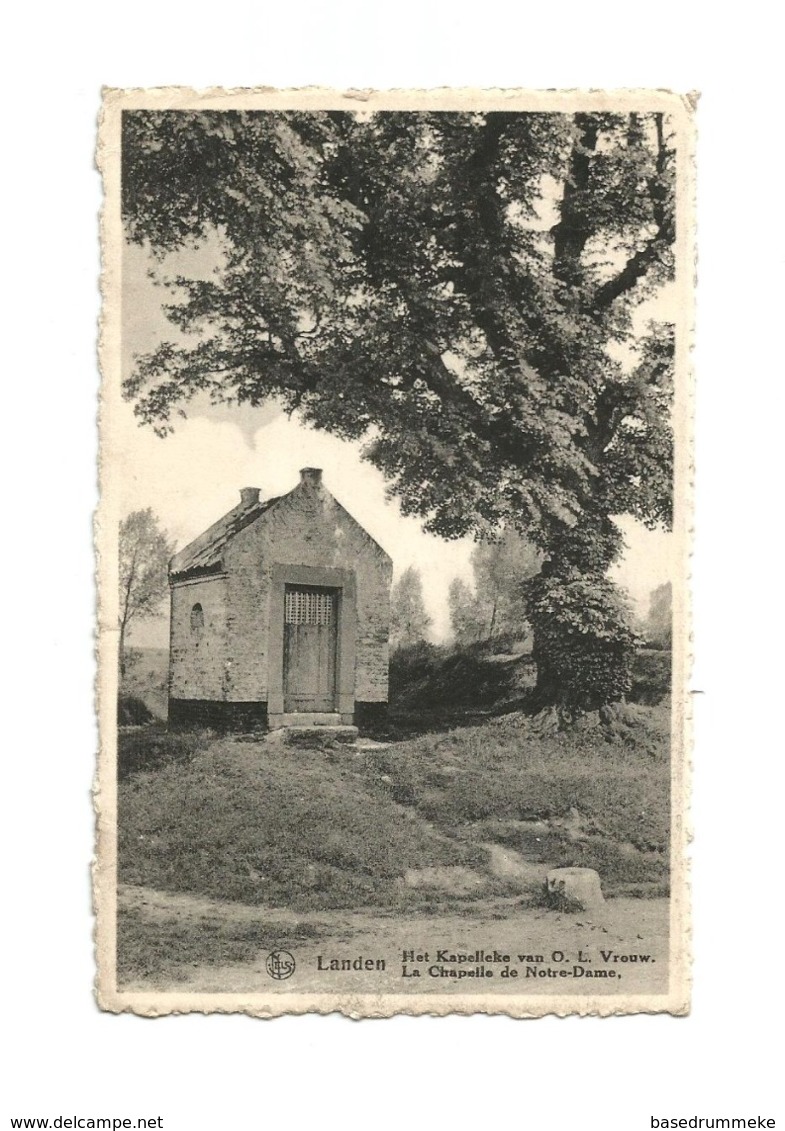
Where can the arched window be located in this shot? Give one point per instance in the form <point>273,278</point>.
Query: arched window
<point>197,617</point>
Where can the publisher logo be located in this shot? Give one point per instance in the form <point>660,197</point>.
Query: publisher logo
<point>280,964</point>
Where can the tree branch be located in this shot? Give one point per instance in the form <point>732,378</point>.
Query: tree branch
<point>574,228</point>
<point>634,269</point>
<point>662,207</point>
<point>486,274</point>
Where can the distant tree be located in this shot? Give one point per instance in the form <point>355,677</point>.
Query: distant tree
<point>659,623</point>
<point>498,605</point>
<point>409,622</point>
<point>145,551</point>
<point>500,570</point>
<point>464,612</point>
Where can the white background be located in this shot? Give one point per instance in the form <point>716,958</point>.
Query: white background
<point>61,1055</point>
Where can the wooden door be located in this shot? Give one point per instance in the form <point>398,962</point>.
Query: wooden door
<point>309,648</point>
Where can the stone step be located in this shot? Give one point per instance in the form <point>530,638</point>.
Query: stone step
<point>311,719</point>
<point>316,735</point>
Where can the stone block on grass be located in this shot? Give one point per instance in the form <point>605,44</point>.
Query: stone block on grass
<point>574,889</point>
<point>321,736</point>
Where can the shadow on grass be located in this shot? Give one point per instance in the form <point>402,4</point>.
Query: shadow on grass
<point>403,723</point>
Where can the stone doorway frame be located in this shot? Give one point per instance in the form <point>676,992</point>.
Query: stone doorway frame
<point>341,580</point>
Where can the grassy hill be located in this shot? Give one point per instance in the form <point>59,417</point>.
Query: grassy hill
<point>409,823</point>
<point>464,777</point>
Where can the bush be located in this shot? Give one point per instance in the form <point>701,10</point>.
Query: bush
<point>427,676</point>
<point>146,679</point>
<point>154,748</point>
<point>651,676</point>
<point>132,711</point>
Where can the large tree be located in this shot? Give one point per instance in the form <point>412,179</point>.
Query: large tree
<point>460,289</point>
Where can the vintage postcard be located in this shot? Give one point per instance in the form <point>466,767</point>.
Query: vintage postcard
<point>393,552</point>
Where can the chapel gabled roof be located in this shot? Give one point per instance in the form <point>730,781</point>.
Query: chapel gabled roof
<point>204,555</point>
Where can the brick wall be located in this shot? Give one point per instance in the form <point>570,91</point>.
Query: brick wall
<point>199,664</point>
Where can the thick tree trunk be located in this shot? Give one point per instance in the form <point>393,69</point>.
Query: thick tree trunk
<point>583,642</point>
<point>548,690</point>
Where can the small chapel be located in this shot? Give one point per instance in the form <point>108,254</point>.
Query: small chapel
<point>280,615</point>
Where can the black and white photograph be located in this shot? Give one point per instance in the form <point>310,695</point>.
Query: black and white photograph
<point>393,610</point>
<point>394,528</point>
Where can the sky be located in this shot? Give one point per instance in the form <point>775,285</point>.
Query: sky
<point>193,477</point>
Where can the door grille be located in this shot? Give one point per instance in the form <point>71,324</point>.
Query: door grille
<point>308,607</point>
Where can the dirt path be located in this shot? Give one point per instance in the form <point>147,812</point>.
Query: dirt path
<point>625,950</point>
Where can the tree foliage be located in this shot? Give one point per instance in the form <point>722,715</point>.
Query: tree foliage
<point>459,289</point>
<point>145,551</point>
<point>409,621</point>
